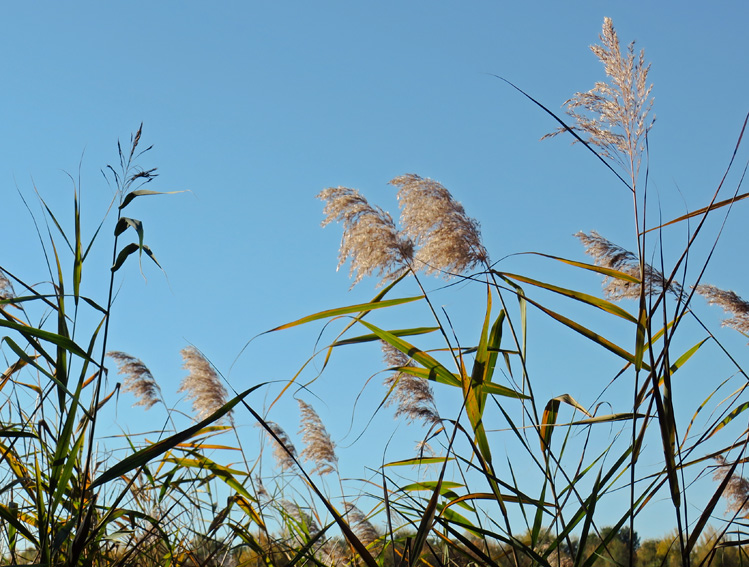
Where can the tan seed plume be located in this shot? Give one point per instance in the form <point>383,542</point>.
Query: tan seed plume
<point>736,491</point>
<point>138,379</point>
<point>614,115</point>
<point>360,525</point>
<point>6,288</point>
<point>283,459</point>
<point>731,303</point>
<point>318,447</point>
<point>448,240</point>
<point>609,255</point>
<point>370,239</point>
<point>202,384</point>
<point>414,396</point>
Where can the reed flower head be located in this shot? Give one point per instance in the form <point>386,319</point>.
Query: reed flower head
<point>448,240</point>
<point>736,491</point>
<point>318,447</point>
<point>370,239</point>
<point>360,525</point>
<point>303,520</point>
<point>202,384</point>
<point>284,453</point>
<point>6,288</point>
<point>606,254</point>
<point>138,379</point>
<point>614,115</point>
<point>731,303</point>
<point>414,396</point>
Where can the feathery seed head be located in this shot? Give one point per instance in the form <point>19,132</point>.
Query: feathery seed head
<point>319,448</point>
<point>731,303</point>
<point>360,525</point>
<point>449,240</point>
<point>202,384</point>
<point>414,396</point>
<point>370,239</point>
<point>283,454</point>
<point>736,491</point>
<point>609,255</point>
<point>138,379</point>
<point>6,289</point>
<point>614,114</point>
<point>304,520</point>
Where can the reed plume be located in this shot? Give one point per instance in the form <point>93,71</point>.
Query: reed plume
<point>284,453</point>
<point>606,254</point>
<point>731,303</point>
<point>370,239</point>
<point>6,288</point>
<point>202,384</point>
<point>448,240</point>
<point>614,115</point>
<point>360,525</point>
<point>304,520</point>
<point>736,491</point>
<point>319,448</point>
<point>414,396</point>
<point>138,379</point>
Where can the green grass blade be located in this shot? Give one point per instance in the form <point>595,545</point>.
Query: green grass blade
<point>337,312</point>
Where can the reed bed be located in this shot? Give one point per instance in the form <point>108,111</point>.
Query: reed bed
<point>579,478</point>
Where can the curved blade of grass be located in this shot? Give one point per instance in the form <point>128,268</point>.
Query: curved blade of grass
<point>584,331</point>
<point>591,300</point>
<point>141,192</point>
<point>57,340</point>
<point>347,311</point>
<point>505,498</point>
<point>397,332</point>
<point>699,212</point>
<point>146,455</point>
<point>436,370</point>
<point>419,461</point>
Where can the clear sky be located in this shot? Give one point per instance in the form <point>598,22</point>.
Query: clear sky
<point>254,107</point>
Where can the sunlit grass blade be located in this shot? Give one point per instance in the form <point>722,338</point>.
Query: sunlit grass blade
<point>604,305</point>
<point>148,454</point>
<point>337,312</point>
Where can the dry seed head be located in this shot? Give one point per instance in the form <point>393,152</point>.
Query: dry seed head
<point>414,396</point>
<point>614,115</point>
<point>284,460</point>
<point>138,379</point>
<point>736,491</point>
<point>449,241</point>
<point>606,254</point>
<point>360,525</point>
<point>370,239</point>
<point>318,447</point>
<point>304,520</point>
<point>6,288</point>
<point>731,303</point>
<point>202,384</point>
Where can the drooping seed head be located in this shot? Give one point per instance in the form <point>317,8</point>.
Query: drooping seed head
<point>413,396</point>
<point>448,240</point>
<point>731,303</point>
<point>360,525</point>
<point>318,447</point>
<point>609,255</point>
<point>202,384</point>
<point>736,491</point>
<point>370,239</point>
<point>284,452</point>
<point>138,379</point>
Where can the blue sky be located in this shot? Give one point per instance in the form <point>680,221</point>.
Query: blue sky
<point>253,108</point>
